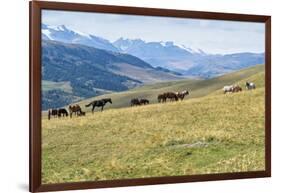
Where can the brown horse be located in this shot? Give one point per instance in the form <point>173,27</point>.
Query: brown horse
<point>161,98</point>
<point>76,109</point>
<point>236,88</point>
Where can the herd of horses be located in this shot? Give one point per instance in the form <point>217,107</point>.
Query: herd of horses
<point>162,98</point>
<point>76,109</point>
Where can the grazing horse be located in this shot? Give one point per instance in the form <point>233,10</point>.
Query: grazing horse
<point>228,89</point>
<point>99,103</point>
<point>171,95</point>
<point>144,102</point>
<point>76,109</point>
<point>135,102</point>
<point>236,88</point>
<point>62,112</point>
<point>182,94</point>
<point>161,98</point>
<point>250,85</point>
<point>52,112</point>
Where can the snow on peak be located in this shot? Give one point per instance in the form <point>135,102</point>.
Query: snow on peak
<point>47,33</point>
<point>82,34</point>
<point>191,50</point>
<point>57,28</point>
<point>166,44</point>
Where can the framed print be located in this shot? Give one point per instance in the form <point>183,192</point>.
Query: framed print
<point>125,96</point>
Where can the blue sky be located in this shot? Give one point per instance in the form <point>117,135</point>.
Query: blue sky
<point>216,37</point>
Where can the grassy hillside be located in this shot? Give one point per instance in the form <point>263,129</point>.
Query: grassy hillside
<point>215,133</point>
<point>197,88</point>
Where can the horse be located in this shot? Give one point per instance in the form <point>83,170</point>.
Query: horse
<point>236,88</point>
<point>144,101</point>
<point>52,112</point>
<point>99,103</point>
<point>182,94</point>
<point>171,95</point>
<point>135,102</point>
<point>62,112</point>
<point>250,85</point>
<point>76,109</point>
<point>161,98</point>
<point>227,89</point>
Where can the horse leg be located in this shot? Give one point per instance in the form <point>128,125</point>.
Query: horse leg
<point>102,108</point>
<point>93,109</point>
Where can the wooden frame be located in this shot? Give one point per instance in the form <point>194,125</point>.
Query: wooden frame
<point>35,94</point>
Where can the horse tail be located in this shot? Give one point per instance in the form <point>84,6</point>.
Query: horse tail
<point>89,104</point>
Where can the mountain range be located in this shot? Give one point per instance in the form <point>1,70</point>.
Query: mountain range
<point>76,65</point>
<point>167,55</point>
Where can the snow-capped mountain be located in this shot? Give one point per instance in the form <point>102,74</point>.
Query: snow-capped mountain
<point>168,55</point>
<point>186,60</point>
<point>63,34</point>
<point>163,54</point>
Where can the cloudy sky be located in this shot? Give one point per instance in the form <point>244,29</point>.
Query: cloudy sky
<point>209,35</point>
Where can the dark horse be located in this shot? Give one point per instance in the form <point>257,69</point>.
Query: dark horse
<point>144,102</point>
<point>62,112</point>
<point>99,103</point>
<point>57,113</point>
<point>171,95</point>
<point>161,98</point>
<point>167,95</point>
<point>135,102</point>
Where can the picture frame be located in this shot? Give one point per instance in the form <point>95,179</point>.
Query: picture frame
<point>35,149</point>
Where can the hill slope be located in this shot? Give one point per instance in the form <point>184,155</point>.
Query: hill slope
<point>89,71</point>
<point>216,133</point>
<point>197,88</point>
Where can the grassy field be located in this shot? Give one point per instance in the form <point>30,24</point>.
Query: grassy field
<point>211,133</point>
